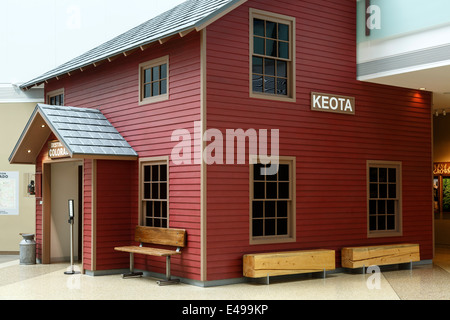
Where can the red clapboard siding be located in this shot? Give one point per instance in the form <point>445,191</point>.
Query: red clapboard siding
<point>113,89</point>
<point>331,150</point>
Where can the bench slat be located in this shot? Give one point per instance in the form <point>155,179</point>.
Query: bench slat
<point>162,236</point>
<point>148,251</point>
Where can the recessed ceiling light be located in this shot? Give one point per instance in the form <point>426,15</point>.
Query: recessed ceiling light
<point>422,88</point>
<point>29,151</point>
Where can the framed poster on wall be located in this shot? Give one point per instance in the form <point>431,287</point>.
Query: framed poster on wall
<point>9,193</point>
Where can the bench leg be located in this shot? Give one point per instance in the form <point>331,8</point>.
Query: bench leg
<point>132,274</point>
<point>168,280</point>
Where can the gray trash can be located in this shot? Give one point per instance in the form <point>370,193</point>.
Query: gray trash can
<point>27,249</point>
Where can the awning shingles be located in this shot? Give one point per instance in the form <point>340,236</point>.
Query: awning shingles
<point>86,133</point>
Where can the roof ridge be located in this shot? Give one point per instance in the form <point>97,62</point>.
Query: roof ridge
<point>187,15</point>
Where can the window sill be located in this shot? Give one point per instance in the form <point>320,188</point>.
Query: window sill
<point>271,240</point>
<point>155,99</point>
<point>272,97</point>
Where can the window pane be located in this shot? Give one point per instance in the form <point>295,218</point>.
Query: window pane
<point>373,190</point>
<point>155,73</point>
<point>392,191</point>
<point>155,173</point>
<point>257,83</point>
<point>383,190</point>
<point>271,30</point>
<point>283,172</point>
<point>269,67</point>
<point>259,190</point>
<point>147,191</point>
<point>282,69</point>
<point>271,48</point>
<point>390,207</point>
<point>283,190</point>
<point>381,206</point>
<point>258,227</point>
<point>147,75</point>
<point>147,90</point>
<point>372,207</point>
<point>157,209</point>
<point>269,227</point>
<point>381,222</point>
<point>61,99</point>
<point>157,223</point>
<point>392,175</point>
<point>382,175</point>
<point>155,191</point>
<point>163,172</point>
<point>164,209</point>
<point>257,65</point>
<point>257,176</point>
<point>258,45</point>
<point>163,190</point>
<point>148,207</point>
<point>282,227</point>
<point>271,190</point>
<point>269,209</point>
<point>283,50</point>
<point>155,89</point>
<point>163,87</point>
<point>258,27</point>
<point>258,209</point>
<point>373,174</point>
<point>282,209</point>
<point>373,223</point>
<point>282,86</point>
<point>163,71</point>
<point>146,173</point>
<point>269,84</point>
<point>283,32</point>
<point>390,222</point>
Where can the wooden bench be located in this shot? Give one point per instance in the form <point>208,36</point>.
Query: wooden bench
<point>159,236</point>
<point>260,265</point>
<point>360,257</point>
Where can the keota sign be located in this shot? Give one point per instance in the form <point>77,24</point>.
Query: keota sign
<point>332,103</point>
<point>57,150</point>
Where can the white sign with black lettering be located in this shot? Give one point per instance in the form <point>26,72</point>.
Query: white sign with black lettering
<point>9,193</point>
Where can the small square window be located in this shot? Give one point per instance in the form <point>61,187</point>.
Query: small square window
<point>154,80</point>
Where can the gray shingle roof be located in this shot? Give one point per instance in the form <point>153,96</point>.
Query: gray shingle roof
<point>85,131</point>
<point>187,15</point>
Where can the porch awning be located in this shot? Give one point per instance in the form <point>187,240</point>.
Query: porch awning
<point>85,133</point>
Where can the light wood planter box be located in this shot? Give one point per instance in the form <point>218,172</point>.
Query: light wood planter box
<point>260,265</point>
<point>358,257</point>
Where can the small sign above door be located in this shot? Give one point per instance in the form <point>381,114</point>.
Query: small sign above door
<point>56,150</point>
<point>332,103</point>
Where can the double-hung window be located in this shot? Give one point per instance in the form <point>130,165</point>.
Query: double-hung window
<point>154,193</point>
<point>272,56</point>
<point>384,201</point>
<point>272,202</point>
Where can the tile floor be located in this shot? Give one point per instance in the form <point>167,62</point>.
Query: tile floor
<point>48,282</point>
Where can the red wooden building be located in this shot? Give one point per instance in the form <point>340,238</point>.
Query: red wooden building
<point>358,174</point>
